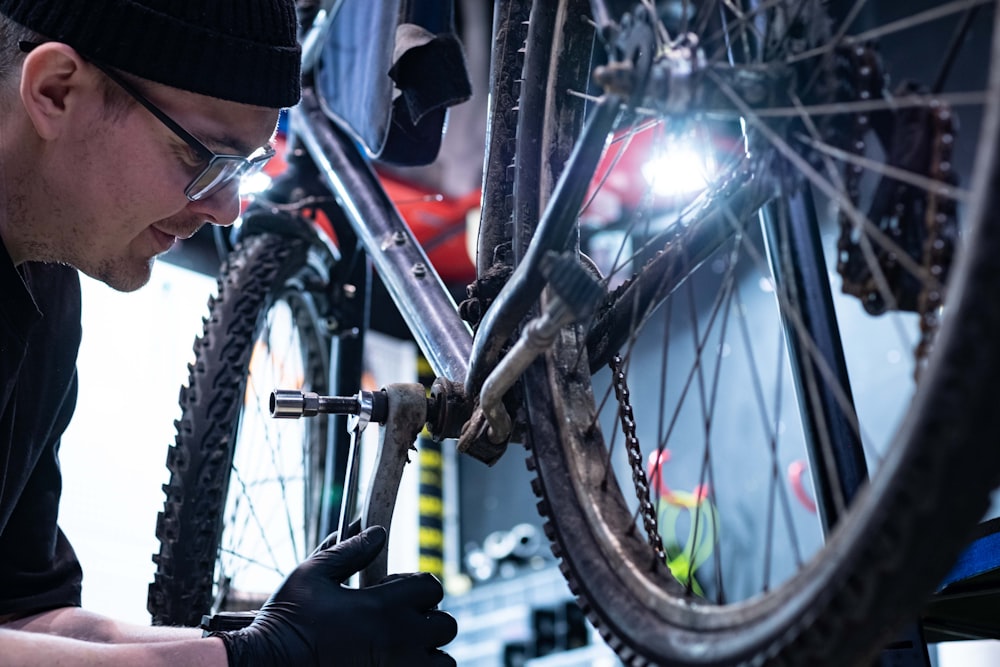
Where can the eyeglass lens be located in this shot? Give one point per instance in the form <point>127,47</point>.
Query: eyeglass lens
<point>222,170</point>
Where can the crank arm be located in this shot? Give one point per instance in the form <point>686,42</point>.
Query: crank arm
<point>401,409</point>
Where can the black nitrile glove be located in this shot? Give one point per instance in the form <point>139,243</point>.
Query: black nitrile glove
<point>313,619</point>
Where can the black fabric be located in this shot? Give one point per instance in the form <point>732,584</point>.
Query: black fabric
<point>388,72</point>
<point>39,341</point>
<point>239,50</point>
<point>428,70</point>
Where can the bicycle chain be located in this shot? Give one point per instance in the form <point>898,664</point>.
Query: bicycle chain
<point>936,258</point>
<point>868,83</point>
<point>627,418</point>
<point>938,249</point>
<point>939,213</point>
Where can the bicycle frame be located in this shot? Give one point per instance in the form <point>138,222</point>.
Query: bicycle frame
<point>446,340</point>
<point>431,314</point>
<point>415,286</point>
<point>790,226</point>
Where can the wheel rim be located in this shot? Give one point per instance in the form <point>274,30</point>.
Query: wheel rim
<point>271,517</point>
<point>689,483</point>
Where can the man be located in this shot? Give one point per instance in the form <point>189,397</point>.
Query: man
<point>125,125</point>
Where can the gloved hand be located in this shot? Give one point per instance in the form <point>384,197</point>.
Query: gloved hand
<point>313,619</point>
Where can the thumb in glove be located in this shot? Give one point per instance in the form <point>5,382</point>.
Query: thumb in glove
<point>312,619</point>
<point>332,539</point>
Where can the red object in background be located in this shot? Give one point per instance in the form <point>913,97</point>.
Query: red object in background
<point>439,223</point>
<point>619,175</point>
<point>795,471</point>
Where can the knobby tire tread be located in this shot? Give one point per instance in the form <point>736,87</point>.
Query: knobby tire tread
<point>199,461</point>
<point>898,540</point>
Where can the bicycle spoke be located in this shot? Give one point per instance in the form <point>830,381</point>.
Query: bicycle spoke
<point>795,105</point>
<point>837,181</point>
<point>859,219</point>
<point>707,479</point>
<point>890,103</point>
<point>258,523</point>
<point>901,25</point>
<point>290,344</point>
<point>919,180</point>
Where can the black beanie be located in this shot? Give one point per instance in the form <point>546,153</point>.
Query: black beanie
<point>238,50</point>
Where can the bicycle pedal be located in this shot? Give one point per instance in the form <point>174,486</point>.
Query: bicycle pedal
<point>574,284</point>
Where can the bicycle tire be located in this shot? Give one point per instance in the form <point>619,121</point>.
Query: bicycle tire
<point>509,31</point>
<point>883,558</point>
<point>267,286</point>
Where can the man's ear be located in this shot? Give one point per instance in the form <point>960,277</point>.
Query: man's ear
<point>53,77</point>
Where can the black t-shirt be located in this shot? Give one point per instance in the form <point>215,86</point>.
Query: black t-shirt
<point>39,341</point>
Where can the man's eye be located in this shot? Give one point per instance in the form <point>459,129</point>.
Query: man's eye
<point>191,158</point>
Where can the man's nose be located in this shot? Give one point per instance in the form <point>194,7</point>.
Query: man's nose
<point>221,207</point>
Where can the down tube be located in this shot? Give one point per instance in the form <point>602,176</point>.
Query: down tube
<point>415,287</point>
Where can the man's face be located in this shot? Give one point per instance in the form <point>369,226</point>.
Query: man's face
<point>119,185</point>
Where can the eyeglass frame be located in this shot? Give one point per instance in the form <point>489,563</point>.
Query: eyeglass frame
<point>249,164</point>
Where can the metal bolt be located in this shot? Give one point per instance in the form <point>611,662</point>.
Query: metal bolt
<point>419,270</point>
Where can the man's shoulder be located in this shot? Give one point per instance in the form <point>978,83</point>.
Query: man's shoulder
<point>43,276</point>
<point>53,286</point>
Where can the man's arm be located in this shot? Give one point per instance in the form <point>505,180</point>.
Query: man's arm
<point>311,620</point>
<point>76,623</point>
<point>33,649</point>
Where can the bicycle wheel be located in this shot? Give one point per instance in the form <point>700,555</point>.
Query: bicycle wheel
<point>243,504</point>
<point>675,486</point>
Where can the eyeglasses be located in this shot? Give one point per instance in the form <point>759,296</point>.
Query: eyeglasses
<point>219,171</point>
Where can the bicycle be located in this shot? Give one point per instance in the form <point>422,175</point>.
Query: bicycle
<point>793,97</point>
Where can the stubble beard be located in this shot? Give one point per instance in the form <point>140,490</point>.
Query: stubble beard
<point>123,275</point>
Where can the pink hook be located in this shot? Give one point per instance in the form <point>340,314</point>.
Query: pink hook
<point>795,470</point>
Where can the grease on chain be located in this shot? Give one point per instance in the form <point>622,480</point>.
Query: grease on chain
<point>938,213</point>
<point>937,250</point>
<point>639,479</point>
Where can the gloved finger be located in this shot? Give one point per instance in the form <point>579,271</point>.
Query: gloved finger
<point>352,555</point>
<point>419,590</point>
<point>441,627</point>
<point>331,539</point>
<point>440,659</point>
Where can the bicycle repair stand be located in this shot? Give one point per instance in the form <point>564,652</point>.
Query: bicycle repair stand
<point>402,410</point>
<point>964,606</point>
<point>910,650</point>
